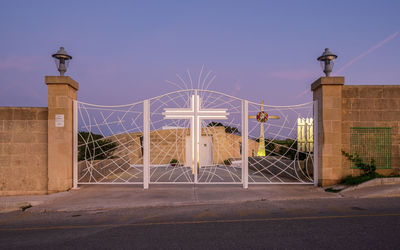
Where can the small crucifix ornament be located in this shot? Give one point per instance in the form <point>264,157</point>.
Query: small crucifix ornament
<point>262,117</point>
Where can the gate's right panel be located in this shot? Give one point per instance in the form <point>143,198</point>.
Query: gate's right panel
<point>280,145</point>
<point>220,144</point>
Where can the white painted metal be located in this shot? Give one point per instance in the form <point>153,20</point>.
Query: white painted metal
<point>315,118</point>
<point>195,113</point>
<point>195,108</point>
<point>146,144</point>
<point>196,133</point>
<point>191,90</point>
<point>245,144</point>
<point>208,183</point>
<point>280,183</point>
<point>75,143</point>
<point>239,110</point>
<point>113,183</point>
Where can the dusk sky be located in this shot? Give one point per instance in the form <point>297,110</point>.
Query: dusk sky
<point>124,51</point>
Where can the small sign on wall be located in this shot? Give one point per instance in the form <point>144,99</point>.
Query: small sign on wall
<point>60,120</point>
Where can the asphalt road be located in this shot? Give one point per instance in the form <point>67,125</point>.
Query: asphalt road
<point>301,224</point>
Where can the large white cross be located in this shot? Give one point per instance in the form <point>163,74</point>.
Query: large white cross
<point>195,113</point>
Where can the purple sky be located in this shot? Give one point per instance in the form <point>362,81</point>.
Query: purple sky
<point>124,51</point>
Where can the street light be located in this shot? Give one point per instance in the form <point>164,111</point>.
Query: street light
<point>62,60</point>
<point>326,60</point>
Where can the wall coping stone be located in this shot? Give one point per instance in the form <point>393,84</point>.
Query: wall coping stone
<point>61,80</point>
<point>372,86</point>
<point>22,107</point>
<point>332,80</point>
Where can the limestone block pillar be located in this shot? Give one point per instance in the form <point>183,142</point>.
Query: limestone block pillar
<point>328,92</point>
<point>61,94</point>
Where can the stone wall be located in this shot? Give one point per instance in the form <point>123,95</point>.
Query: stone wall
<point>23,150</point>
<point>228,146</point>
<point>171,144</point>
<point>371,106</point>
<point>341,107</point>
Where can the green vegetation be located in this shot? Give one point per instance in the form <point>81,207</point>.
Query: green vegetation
<point>174,162</point>
<point>368,169</point>
<point>372,141</point>
<point>228,162</point>
<point>287,148</point>
<point>355,180</point>
<point>228,129</point>
<point>94,146</point>
<point>25,207</point>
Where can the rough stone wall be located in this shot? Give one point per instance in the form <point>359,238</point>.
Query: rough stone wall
<point>171,144</point>
<point>167,144</point>
<point>371,106</point>
<point>164,146</point>
<point>23,150</point>
<point>228,146</point>
<point>129,147</point>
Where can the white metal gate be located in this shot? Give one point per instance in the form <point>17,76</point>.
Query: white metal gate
<point>194,136</point>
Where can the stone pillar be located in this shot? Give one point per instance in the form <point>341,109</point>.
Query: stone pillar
<point>328,92</point>
<point>61,94</point>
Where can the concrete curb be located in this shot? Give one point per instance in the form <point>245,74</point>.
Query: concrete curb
<point>172,204</point>
<point>373,183</point>
<point>15,203</point>
<point>13,206</point>
<point>100,198</point>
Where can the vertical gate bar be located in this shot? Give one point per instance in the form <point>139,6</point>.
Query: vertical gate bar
<point>315,120</point>
<point>146,144</point>
<point>75,143</point>
<point>245,143</point>
<point>196,139</point>
<point>306,136</point>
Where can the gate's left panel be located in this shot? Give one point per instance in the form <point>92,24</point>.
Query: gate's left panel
<point>110,144</point>
<point>170,138</point>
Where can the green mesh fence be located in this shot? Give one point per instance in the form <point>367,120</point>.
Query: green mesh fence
<point>372,143</point>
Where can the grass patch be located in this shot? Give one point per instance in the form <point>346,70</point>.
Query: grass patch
<point>25,207</point>
<point>355,180</point>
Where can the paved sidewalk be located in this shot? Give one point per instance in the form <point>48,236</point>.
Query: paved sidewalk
<point>391,190</point>
<point>94,197</point>
<point>11,203</point>
<point>100,197</point>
